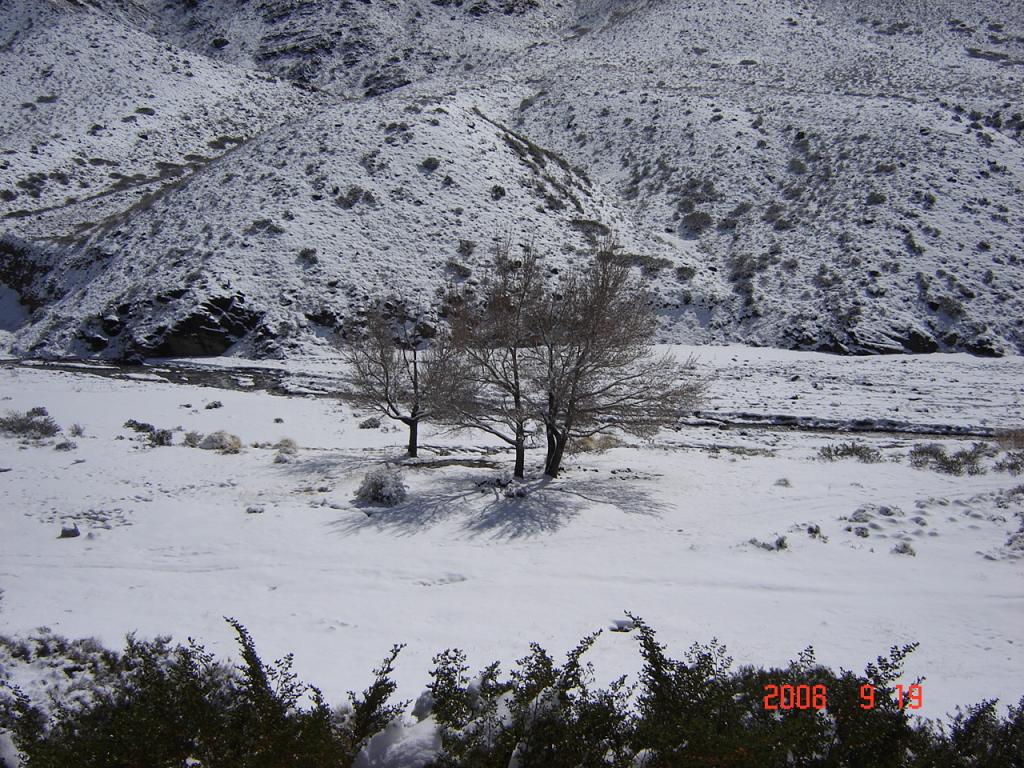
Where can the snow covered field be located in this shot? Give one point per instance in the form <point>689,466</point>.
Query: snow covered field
<point>175,538</point>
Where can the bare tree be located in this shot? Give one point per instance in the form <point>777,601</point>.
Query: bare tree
<point>593,368</point>
<point>492,337</point>
<point>399,367</point>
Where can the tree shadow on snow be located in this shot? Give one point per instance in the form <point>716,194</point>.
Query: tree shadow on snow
<point>548,506</point>
<point>334,463</point>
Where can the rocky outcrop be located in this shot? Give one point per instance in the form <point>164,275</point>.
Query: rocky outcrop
<point>209,329</point>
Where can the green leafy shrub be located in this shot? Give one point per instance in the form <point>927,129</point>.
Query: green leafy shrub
<point>160,705</point>
<point>155,704</point>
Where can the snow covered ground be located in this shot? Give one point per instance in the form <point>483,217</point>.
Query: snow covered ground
<point>175,538</point>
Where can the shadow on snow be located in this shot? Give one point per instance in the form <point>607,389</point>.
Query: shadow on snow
<point>548,506</point>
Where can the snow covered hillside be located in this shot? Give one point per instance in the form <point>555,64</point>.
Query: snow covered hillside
<point>208,177</point>
<point>683,531</point>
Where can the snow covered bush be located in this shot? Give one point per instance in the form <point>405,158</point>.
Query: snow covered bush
<point>221,441</point>
<point>371,422</point>
<point>516,490</point>
<point>287,446</point>
<point>383,485</point>
<point>287,449</point>
<point>193,439</point>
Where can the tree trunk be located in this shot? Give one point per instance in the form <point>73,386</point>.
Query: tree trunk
<point>520,446</point>
<point>413,430</point>
<point>552,440</point>
<point>553,463</point>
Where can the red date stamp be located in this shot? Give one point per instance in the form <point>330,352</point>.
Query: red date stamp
<point>784,697</point>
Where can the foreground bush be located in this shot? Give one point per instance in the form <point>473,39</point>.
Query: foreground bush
<point>162,705</point>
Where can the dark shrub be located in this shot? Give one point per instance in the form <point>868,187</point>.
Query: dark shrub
<point>696,222</point>
<point>934,456</point>
<point>1013,463</point>
<point>158,705</point>
<point>161,437</point>
<point>850,450</point>
<point>35,423</point>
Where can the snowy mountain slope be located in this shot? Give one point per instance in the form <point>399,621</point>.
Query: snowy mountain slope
<point>826,177</point>
<point>857,184</point>
<point>302,226</point>
<point>357,48</point>
<point>99,115</point>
